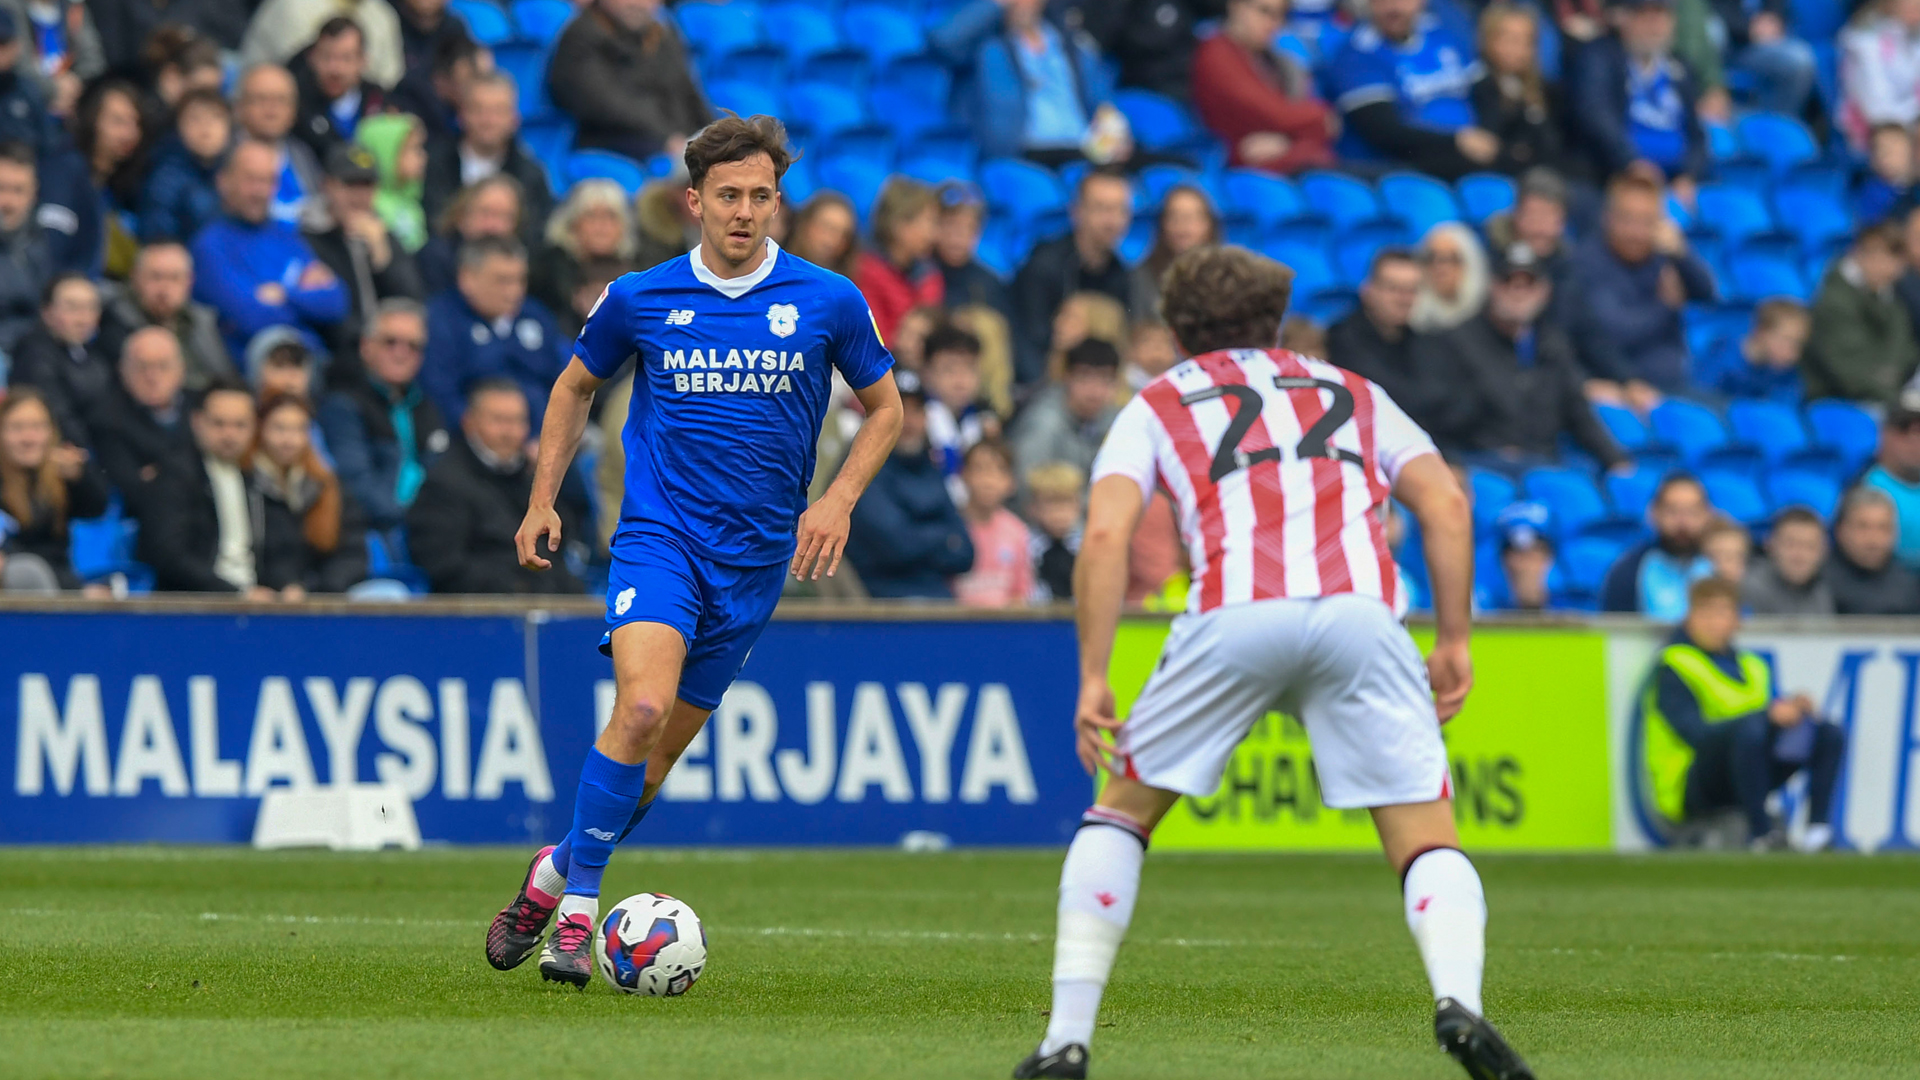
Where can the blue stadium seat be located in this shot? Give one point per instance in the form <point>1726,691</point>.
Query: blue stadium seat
<point>1569,495</point>
<point>859,179</point>
<point>921,76</point>
<point>550,140</point>
<point>1159,123</point>
<point>823,111</point>
<point>1691,429</point>
<point>717,29</point>
<point>1763,275</point>
<point>1491,494</point>
<point>1735,495</point>
<point>1631,491</point>
<point>1803,487</point>
<point>907,115</point>
<point>846,68</point>
<point>1780,141</point>
<point>526,64</point>
<point>1734,214</point>
<point>1723,145</point>
<point>540,21</point>
<point>1819,20</point>
<point>1000,250</point>
<point>1485,194</point>
<point>1021,190</point>
<point>1771,429</point>
<point>1819,221</point>
<point>1584,561</point>
<point>935,170</point>
<point>1138,241</point>
<point>1353,252</point>
<point>487,21</point>
<point>1844,428</point>
<point>946,144</point>
<point>742,97</point>
<point>801,30</point>
<point>1313,272</point>
<point>885,34</point>
<point>1343,200</point>
<point>1261,199</point>
<point>592,164</point>
<point>1625,425</point>
<point>798,185</point>
<point>766,64</point>
<point>1420,202</point>
<point>1152,184</point>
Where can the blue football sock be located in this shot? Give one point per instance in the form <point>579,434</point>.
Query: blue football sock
<point>639,812</point>
<point>609,794</point>
<point>562,854</point>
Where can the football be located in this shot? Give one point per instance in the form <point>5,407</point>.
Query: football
<point>650,944</point>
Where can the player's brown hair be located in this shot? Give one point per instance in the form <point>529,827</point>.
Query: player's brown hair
<point>1711,589</point>
<point>1225,298</point>
<point>737,138</point>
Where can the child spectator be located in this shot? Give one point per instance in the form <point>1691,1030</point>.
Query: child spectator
<point>44,484</point>
<point>1002,574</point>
<point>180,195</point>
<point>1526,558</point>
<point>1887,188</point>
<point>1727,545</point>
<point>279,364</point>
<point>963,213</point>
<point>1789,580</point>
<point>908,342</point>
<point>1054,494</point>
<point>1152,354</point>
<point>1767,365</point>
<point>956,419</point>
<point>1067,422</point>
<point>399,146</point>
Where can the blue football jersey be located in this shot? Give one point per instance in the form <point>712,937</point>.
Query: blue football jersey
<point>1428,78</point>
<point>730,386</point>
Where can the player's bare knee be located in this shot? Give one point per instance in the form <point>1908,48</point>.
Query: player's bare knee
<point>639,720</point>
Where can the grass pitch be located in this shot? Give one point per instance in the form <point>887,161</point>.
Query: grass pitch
<point>190,962</point>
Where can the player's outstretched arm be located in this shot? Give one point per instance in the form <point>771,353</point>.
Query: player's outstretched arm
<point>1099,590</point>
<point>1427,487</point>
<point>824,526</point>
<point>559,437</point>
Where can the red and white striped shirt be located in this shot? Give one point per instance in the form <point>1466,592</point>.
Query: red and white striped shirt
<point>1278,464</point>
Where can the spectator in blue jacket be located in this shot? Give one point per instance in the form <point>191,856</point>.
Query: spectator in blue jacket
<point>256,271</point>
<point>266,105</point>
<point>182,194</point>
<point>1755,38</point>
<point>487,327</point>
<point>382,429</point>
<point>907,538</point>
<point>1630,283</point>
<point>1631,100</point>
<point>1652,578</point>
<point>1403,84</point>
<point>1766,363</point>
<point>1037,85</point>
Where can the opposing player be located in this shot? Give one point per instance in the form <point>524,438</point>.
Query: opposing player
<point>736,345</point>
<point>1279,465</point>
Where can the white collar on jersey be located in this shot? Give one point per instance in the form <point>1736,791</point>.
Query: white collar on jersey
<point>733,288</point>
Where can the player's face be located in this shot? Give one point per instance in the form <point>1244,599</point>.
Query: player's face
<point>735,204</point>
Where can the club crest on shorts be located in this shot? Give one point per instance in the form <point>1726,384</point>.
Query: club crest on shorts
<point>623,601</point>
<point>783,319</point>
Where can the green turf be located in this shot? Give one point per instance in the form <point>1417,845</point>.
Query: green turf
<point>137,962</point>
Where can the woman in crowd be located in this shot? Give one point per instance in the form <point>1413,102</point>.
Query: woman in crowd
<point>1512,100</point>
<point>1187,221</point>
<point>1879,69</point>
<point>398,143</point>
<point>900,275</point>
<point>826,232</point>
<point>109,131</point>
<point>44,484</point>
<point>593,225</point>
<point>1455,285</point>
<point>490,207</point>
<point>304,538</point>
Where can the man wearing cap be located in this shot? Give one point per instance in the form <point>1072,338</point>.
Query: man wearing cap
<point>1896,471</point>
<point>256,271</point>
<point>1521,384</point>
<point>1526,557</point>
<point>907,539</point>
<point>1633,103</point>
<point>334,92</point>
<point>350,238</point>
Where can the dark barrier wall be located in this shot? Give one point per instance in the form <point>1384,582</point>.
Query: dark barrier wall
<point>123,727</point>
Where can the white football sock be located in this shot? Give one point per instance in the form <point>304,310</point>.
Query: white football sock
<point>1447,912</point>
<point>547,880</point>
<point>1098,885</point>
<point>574,904</point>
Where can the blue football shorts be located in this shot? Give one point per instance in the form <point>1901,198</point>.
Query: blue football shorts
<point>719,610</point>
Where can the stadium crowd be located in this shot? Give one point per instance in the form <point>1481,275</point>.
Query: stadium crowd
<point>284,284</point>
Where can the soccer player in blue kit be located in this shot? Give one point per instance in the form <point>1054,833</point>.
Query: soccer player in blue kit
<point>736,344</point>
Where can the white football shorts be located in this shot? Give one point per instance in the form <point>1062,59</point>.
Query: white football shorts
<point>1342,664</point>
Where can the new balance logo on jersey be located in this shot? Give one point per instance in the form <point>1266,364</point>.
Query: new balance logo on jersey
<point>601,834</point>
<point>679,317</point>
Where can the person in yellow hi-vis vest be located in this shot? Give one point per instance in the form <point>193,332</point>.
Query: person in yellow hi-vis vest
<point>1718,736</point>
